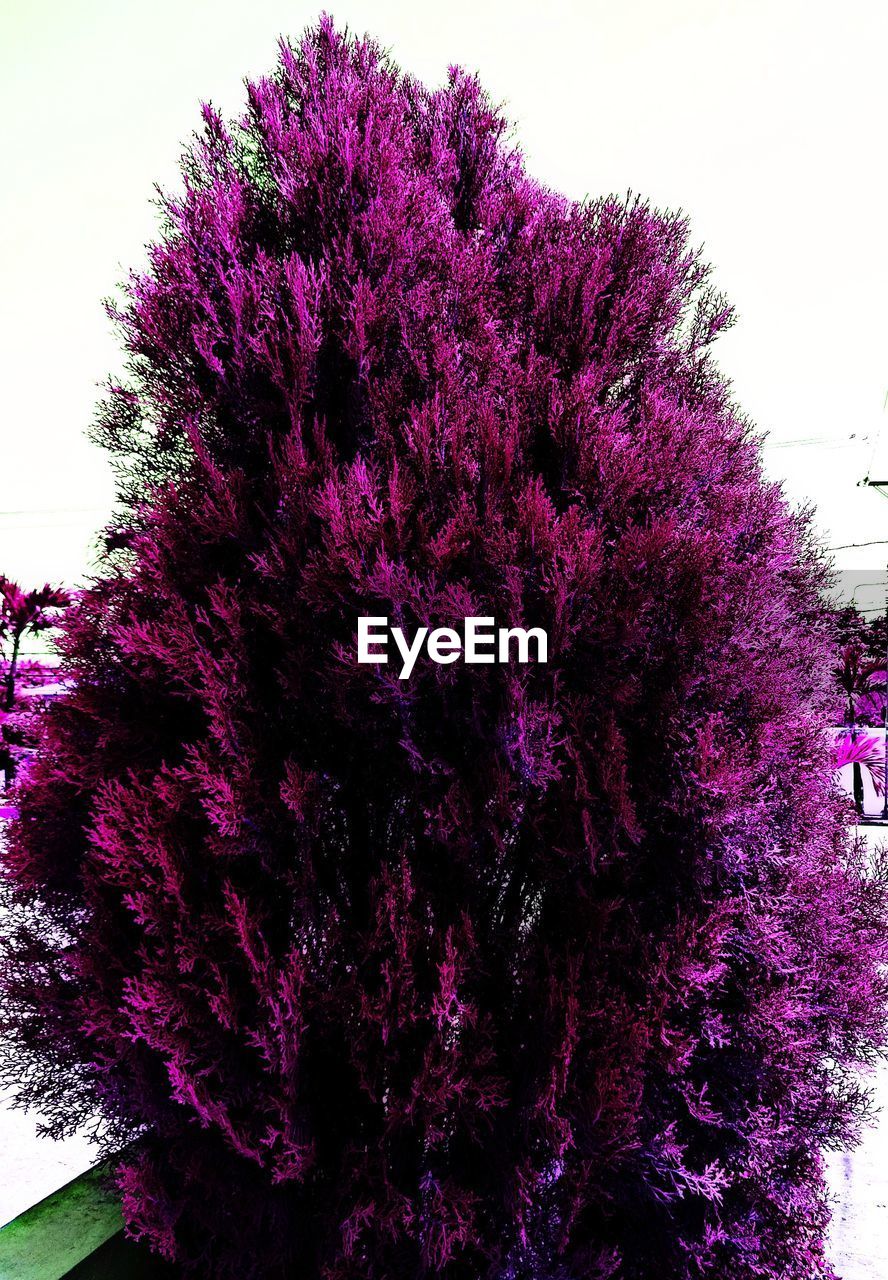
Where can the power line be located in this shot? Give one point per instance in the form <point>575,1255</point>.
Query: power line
<point>848,546</point>
<point>54,511</point>
<point>822,442</point>
<point>877,437</point>
<point>6,529</point>
<point>875,484</point>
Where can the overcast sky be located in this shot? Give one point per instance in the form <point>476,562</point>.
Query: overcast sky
<point>763,119</point>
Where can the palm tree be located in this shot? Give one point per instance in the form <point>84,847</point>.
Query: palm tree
<point>859,676</point>
<point>864,752</point>
<point>24,613</point>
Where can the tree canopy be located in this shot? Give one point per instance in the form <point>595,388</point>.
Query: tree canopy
<point>515,971</point>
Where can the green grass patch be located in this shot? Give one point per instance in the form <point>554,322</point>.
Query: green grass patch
<point>47,1240</point>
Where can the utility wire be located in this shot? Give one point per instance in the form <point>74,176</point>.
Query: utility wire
<point>824,443</point>
<point>848,546</point>
<point>54,511</point>
<point>876,438</point>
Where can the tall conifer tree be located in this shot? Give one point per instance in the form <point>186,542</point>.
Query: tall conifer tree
<point>552,971</point>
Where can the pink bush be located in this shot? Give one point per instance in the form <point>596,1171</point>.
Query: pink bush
<point>546,971</point>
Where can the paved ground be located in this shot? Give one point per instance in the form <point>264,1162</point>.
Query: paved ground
<point>859,1179</point>
<point>33,1167</point>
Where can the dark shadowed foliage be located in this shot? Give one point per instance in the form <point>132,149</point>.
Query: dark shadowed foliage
<point>549,971</point>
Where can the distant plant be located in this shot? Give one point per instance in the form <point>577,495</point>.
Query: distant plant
<point>861,671</point>
<point>863,751</point>
<point>857,675</point>
<point>522,972</point>
<point>860,676</point>
<point>22,614</point>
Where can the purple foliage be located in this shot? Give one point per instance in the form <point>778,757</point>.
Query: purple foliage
<point>550,971</point>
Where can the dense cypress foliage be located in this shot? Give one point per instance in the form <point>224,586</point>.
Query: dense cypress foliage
<point>556,971</point>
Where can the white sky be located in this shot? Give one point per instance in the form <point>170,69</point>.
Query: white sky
<point>763,119</point>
